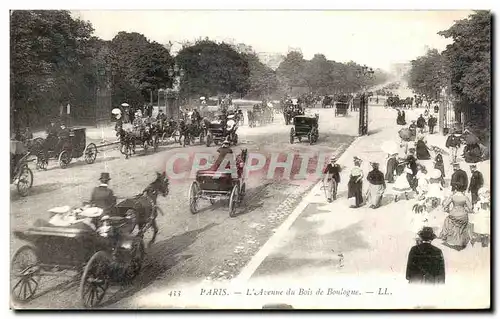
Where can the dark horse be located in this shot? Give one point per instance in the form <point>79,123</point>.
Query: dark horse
<point>144,207</point>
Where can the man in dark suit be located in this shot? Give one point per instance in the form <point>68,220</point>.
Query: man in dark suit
<point>102,196</point>
<point>425,261</point>
<point>459,179</point>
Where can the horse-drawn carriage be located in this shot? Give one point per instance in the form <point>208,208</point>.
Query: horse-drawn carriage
<point>67,149</point>
<point>218,133</point>
<point>20,174</point>
<point>341,105</point>
<point>99,247</point>
<point>305,126</point>
<point>95,255</point>
<point>145,134</point>
<point>216,184</point>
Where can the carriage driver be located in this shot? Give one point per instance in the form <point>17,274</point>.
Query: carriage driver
<point>102,196</point>
<point>223,151</point>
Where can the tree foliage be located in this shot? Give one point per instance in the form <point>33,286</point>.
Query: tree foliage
<point>323,76</point>
<point>213,68</point>
<point>428,74</point>
<point>47,51</point>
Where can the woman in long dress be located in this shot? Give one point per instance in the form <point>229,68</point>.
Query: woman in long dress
<point>422,149</point>
<point>481,218</point>
<point>355,184</point>
<point>456,232</point>
<point>401,186</point>
<point>376,186</point>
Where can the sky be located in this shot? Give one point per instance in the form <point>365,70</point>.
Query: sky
<point>374,38</point>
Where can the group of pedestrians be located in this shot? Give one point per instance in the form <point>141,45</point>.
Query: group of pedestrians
<point>465,201</point>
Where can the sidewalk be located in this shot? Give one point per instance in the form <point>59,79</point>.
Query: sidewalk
<point>332,245</point>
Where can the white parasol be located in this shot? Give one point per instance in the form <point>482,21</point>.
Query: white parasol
<point>390,147</point>
<point>435,173</point>
<point>116,111</point>
<point>202,98</point>
<point>125,104</point>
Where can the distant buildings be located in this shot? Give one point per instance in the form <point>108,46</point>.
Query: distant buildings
<point>400,69</point>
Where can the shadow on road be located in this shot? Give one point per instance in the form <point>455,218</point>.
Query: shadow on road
<point>41,189</point>
<point>254,199</point>
<point>160,258</point>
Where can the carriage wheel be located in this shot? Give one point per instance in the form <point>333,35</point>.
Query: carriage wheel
<point>25,273</point>
<point>41,161</point>
<point>233,200</point>
<point>137,253</point>
<point>64,159</point>
<point>292,135</point>
<point>90,153</point>
<point>194,191</point>
<point>25,181</point>
<point>209,140</point>
<point>95,280</point>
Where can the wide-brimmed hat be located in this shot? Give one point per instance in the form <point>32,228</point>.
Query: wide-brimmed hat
<point>357,159</point>
<point>226,141</point>
<point>456,164</point>
<point>105,177</point>
<point>333,158</point>
<point>427,233</point>
<point>473,166</point>
<point>374,164</point>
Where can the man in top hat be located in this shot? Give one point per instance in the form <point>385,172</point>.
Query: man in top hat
<point>425,261</point>
<point>102,196</point>
<point>476,182</point>
<point>332,175</point>
<point>459,179</point>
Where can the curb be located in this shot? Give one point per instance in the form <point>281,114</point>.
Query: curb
<point>250,268</point>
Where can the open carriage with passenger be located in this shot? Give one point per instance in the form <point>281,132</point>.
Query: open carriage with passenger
<point>142,132</point>
<point>20,174</point>
<point>65,149</point>
<point>221,128</point>
<point>215,184</point>
<point>305,126</point>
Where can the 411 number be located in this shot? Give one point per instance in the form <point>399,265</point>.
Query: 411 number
<point>175,293</point>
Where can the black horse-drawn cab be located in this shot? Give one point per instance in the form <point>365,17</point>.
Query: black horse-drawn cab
<point>65,149</point>
<point>305,126</point>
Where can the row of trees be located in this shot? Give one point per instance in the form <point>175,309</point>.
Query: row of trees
<point>56,60</point>
<point>464,67</point>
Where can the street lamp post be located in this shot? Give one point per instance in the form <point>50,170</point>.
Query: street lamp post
<point>177,73</point>
<point>364,73</point>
